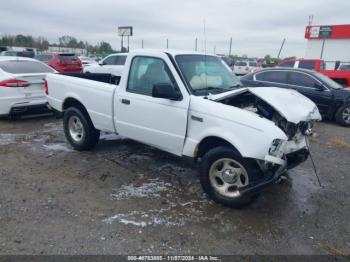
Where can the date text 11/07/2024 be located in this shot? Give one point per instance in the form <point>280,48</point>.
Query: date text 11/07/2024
<point>173,258</point>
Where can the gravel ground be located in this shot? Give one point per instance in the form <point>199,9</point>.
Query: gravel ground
<point>126,198</point>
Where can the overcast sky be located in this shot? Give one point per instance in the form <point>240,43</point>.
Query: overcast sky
<point>257,27</point>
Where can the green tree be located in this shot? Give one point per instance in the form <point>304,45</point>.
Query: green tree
<point>104,48</point>
<point>66,40</point>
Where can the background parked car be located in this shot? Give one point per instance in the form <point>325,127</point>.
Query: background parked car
<point>44,57</point>
<point>29,54</point>
<point>63,62</point>
<point>344,67</point>
<point>22,85</point>
<point>244,67</point>
<point>332,99</point>
<point>112,64</point>
<point>87,61</point>
<point>342,77</point>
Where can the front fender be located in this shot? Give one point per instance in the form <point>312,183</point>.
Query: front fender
<point>250,141</point>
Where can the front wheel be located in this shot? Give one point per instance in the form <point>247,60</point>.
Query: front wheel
<point>342,116</point>
<point>223,173</point>
<point>79,130</point>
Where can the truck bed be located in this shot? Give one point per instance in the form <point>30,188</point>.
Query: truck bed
<point>94,91</point>
<point>105,78</point>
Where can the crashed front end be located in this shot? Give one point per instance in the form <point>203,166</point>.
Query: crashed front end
<point>291,112</point>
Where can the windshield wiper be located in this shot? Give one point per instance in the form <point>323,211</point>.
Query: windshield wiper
<point>210,88</point>
<point>236,86</point>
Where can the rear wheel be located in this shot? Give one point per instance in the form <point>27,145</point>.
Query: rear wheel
<point>342,116</point>
<point>223,173</point>
<point>79,130</point>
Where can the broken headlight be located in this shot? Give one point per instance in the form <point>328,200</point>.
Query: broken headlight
<point>276,147</point>
<point>306,128</point>
<point>291,130</point>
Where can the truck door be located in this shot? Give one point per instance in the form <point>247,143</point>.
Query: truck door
<point>158,122</point>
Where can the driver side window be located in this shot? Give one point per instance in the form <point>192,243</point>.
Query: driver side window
<point>146,72</point>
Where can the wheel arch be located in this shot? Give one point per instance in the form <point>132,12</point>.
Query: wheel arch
<point>211,142</point>
<point>73,102</point>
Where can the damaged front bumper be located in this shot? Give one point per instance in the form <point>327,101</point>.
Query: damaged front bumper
<point>274,168</point>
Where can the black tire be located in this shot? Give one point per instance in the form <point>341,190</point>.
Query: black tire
<point>252,170</point>
<point>90,136</point>
<point>339,115</point>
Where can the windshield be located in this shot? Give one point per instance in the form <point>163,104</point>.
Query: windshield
<point>241,64</point>
<point>330,83</point>
<point>344,67</point>
<point>68,57</point>
<point>206,74</point>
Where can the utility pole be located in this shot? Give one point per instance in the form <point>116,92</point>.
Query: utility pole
<point>321,56</point>
<point>311,19</point>
<point>167,44</point>
<point>142,43</point>
<point>230,49</point>
<point>121,45</point>
<point>128,44</point>
<point>214,49</point>
<point>195,44</point>
<point>279,53</point>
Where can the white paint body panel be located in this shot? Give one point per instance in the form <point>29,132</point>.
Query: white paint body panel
<point>95,96</point>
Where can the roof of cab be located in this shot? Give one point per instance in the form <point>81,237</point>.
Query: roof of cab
<point>172,52</point>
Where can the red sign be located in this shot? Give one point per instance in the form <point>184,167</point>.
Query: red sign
<point>327,31</point>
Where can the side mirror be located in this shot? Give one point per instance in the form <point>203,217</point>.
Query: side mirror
<point>165,90</point>
<point>319,87</point>
<point>101,63</point>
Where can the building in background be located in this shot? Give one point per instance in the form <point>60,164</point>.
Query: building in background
<point>328,42</point>
<point>77,51</point>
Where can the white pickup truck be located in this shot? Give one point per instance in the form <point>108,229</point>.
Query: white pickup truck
<point>190,104</point>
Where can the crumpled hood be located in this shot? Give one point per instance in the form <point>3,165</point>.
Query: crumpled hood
<point>289,103</point>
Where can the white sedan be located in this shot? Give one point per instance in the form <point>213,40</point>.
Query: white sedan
<point>245,67</point>
<point>22,84</point>
<point>112,64</point>
<point>87,61</point>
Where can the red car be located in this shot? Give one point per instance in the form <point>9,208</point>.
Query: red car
<point>340,76</point>
<point>62,62</point>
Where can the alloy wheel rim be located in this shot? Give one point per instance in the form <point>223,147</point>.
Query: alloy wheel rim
<point>76,129</point>
<point>227,176</point>
<point>346,115</point>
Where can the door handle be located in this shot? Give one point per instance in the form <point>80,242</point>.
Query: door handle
<point>126,101</point>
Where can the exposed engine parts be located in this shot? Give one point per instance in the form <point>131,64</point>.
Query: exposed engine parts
<point>252,103</point>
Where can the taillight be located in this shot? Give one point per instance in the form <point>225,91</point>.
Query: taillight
<point>46,87</point>
<point>14,83</point>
